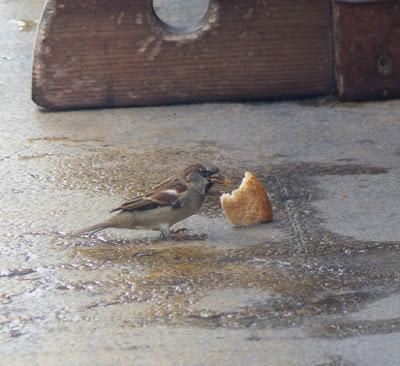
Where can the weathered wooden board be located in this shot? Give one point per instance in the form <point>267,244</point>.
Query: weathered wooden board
<point>95,53</point>
<point>367,39</point>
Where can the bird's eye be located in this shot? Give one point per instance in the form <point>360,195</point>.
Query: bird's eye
<point>203,171</point>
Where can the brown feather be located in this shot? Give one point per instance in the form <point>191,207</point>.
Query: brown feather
<point>168,193</point>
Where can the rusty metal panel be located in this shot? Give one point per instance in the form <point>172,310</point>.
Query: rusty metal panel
<point>367,45</point>
<point>95,53</point>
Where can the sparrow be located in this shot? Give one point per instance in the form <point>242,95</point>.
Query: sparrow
<point>170,202</point>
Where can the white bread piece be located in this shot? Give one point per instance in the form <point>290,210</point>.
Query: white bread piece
<point>249,204</point>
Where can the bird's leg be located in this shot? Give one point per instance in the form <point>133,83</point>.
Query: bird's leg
<point>165,233</point>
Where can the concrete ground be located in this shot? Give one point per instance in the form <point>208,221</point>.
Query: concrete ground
<point>317,286</point>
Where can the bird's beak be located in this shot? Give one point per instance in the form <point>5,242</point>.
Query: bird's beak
<point>219,179</point>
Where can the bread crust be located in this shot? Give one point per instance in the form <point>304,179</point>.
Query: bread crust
<point>249,204</point>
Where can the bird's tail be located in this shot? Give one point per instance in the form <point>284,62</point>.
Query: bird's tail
<point>92,229</point>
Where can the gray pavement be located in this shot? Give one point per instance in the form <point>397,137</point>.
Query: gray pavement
<point>317,286</point>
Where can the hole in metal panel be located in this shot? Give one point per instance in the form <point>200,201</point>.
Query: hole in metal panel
<point>181,16</point>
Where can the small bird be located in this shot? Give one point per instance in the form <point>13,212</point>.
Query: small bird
<point>172,201</point>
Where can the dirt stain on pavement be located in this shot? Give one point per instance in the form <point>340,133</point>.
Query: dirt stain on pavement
<point>311,272</point>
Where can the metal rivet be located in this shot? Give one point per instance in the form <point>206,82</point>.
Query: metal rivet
<point>384,65</point>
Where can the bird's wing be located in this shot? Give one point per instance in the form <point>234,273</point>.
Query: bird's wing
<point>169,193</point>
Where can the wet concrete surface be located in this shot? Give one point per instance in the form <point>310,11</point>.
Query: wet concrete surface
<point>317,286</point>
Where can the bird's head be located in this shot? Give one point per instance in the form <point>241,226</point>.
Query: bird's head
<point>207,171</point>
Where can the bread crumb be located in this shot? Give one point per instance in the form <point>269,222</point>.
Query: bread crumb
<point>249,204</point>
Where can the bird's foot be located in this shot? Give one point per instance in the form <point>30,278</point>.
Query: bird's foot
<point>178,231</point>
<point>181,234</point>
